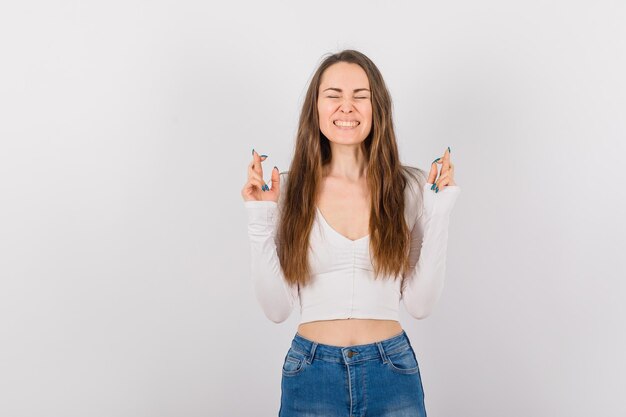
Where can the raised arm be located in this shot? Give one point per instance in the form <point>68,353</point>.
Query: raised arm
<point>427,258</point>
<point>275,295</point>
<point>423,284</point>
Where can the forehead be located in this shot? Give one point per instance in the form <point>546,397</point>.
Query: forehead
<point>344,75</point>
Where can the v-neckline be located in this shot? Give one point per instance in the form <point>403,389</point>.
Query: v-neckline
<point>328,226</point>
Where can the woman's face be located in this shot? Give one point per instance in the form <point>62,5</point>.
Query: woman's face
<point>344,96</point>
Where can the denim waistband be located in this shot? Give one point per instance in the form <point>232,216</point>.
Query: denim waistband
<point>350,354</point>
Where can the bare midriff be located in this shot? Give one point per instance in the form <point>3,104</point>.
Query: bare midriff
<point>349,332</point>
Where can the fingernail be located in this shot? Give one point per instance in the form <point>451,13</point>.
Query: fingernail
<point>264,188</point>
<point>449,151</point>
<point>252,151</point>
<point>263,156</point>
<point>437,189</point>
<point>275,167</point>
<point>436,160</point>
<point>432,187</point>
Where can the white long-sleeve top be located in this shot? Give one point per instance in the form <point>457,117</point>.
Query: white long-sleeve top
<point>343,284</point>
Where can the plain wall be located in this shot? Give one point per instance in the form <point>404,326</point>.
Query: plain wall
<point>126,128</point>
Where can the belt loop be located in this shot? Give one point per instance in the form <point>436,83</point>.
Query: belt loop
<point>408,339</point>
<point>382,352</point>
<point>312,353</point>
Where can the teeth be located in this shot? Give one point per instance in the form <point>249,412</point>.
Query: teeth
<point>346,124</point>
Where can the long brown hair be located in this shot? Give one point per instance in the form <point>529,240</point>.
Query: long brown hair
<point>386,179</point>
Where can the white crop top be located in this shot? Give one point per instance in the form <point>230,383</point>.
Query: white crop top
<point>343,284</point>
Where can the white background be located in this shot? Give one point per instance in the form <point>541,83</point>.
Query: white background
<point>126,128</point>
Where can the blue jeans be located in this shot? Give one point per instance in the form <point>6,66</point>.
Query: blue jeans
<point>380,379</point>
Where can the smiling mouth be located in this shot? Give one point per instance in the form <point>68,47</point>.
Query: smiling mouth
<point>348,125</point>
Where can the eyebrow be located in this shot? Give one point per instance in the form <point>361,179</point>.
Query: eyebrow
<point>356,90</point>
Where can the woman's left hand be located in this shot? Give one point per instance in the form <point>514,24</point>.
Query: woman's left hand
<point>446,178</point>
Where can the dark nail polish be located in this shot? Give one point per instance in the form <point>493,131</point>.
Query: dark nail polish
<point>436,160</point>
<point>437,189</point>
<point>449,151</point>
<point>263,156</point>
<point>252,151</point>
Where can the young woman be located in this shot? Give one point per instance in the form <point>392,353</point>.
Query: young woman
<point>347,233</point>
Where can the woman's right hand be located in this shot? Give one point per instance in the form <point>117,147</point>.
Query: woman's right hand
<point>253,189</point>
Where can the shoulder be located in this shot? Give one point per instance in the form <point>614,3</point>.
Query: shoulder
<point>414,191</point>
<point>416,177</point>
<point>284,177</point>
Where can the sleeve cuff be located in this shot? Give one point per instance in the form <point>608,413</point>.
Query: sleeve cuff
<point>441,202</point>
<point>261,212</point>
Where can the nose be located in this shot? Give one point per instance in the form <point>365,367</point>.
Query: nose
<point>346,106</point>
